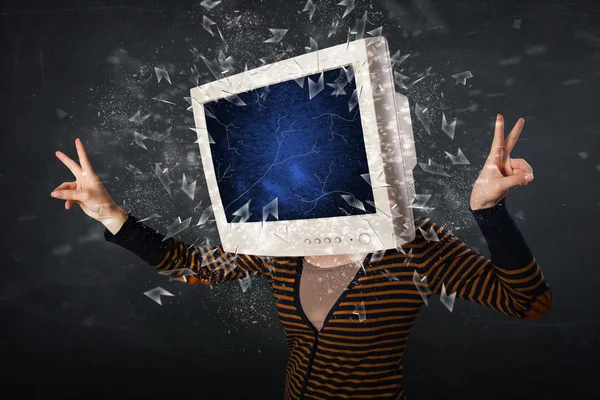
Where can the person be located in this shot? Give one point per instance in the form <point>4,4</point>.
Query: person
<point>346,327</point>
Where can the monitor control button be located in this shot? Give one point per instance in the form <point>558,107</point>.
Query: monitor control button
<point>364,238</point>
<point>327,240</point>
<point>318,241</point>
<point>307,241</point>
<point>337,240</point>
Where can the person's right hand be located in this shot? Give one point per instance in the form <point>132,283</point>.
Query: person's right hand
<point>87,191</point>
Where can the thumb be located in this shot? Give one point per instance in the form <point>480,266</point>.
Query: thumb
<point>76,195</point>
<point>517,179</point>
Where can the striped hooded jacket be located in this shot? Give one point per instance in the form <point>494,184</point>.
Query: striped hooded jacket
<point>358,352</point>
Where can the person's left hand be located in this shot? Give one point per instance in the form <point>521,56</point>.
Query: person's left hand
<point>500,172</point>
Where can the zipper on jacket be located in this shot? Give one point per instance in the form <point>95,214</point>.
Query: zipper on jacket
<point>310,361</point>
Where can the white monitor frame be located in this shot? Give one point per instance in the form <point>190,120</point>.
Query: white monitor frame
<point>389,145</point>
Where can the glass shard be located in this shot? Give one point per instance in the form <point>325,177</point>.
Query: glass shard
<point>138,137</point>
<point>61,114</point>
<point>422,288</point>
<point>459,159</point>
<point>310,7</point>
<point>206,24</point>
<point>177,227</point>
<point>277,35</point>
<point>433,168</point>
<point>210,4</point>
<point>424,117</point>
<point>315,88</point>
<point>353,202</point>
<point>161,73</point>
<point>430,236</point>
<point>189,189</point>
<point>271,209</point>
<point>155,294</point>
<point>349,4</point>
<point>446,300</point>
<point>448,128</point>
<point>163,177</point>
<point>245,282</point>
<point>462,77</point>
<point>243,213</point>
<point>206,214</point>
<point>359,309</point>
<point>376,31</point>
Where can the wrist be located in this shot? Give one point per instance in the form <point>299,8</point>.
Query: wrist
<point>114,219</point>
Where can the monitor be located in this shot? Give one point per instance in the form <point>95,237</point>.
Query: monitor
<point>311,155</point>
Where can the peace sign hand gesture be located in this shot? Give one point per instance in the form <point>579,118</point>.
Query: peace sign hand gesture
<point>500,172</point>
<point>87,191</point>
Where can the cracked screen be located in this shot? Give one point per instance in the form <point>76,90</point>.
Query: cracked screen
<point>294,150</point>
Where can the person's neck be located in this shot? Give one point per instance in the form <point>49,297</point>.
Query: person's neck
<point>334,260</point>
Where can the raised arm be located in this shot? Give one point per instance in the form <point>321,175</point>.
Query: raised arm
<point>210,264</point>
<point>510,282</point>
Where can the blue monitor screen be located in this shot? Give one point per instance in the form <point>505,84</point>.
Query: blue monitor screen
<point>276,142</point>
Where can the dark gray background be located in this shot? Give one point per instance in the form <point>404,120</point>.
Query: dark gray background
<point>73,317</point>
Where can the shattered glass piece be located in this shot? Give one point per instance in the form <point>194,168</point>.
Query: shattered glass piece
<point>161,73</point>
<point>206,23</point>
<point>277,35</point>
<point>159,98</point>
<point>271,209</point>
<point>462,77</point>
<point>359,309</point>
<point>177,227</point>
<point>314,46</point>
<point>399,78</point>
<point>446,300</point>
<point>189,189</point>
<point>338,88</point>
<point>459,159</point>
<point>583,155</point>
<point>206,259</point>
<point>206,214</point>
<point>353,100</point>
<point>424,117</point>
<point>359,28</point>
<point>225,264</point>
<point>155,294</point>
<point>61,114</point>
<point>138,119</point>
<point>430,236</point>
<point>158,137</point>
<point>243,212</point>
<point>210,4</point>
<point>517,25</point>
<point>433,168</point>
<point>422,288</point>
<point>300,81</point>
<point>354,202</point>
<point>349,6</point>
<point>178,274</point>
<point>225,46</point>
<point>367,177</point>
<point>377,255</point>
<point>209,113</point>
<point>423,76</point>
<point>245,282</point>
<point>349,72</point>
<point>163,177</point>
<point>234,99</point>
<point>310,7</point>
<point>389,275</point>
<point>153,216</point>
<point>420,200</point>
<point>210,139</point>
<point>376,32</point>
<point>448,128</point>
<point>396,59</point>
<point>214,67</point>
<point>333,29</point>
<point>315,88</point>
<point>138,137</point>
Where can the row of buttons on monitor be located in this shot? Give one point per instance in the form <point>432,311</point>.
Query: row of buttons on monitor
<point>363,238</point>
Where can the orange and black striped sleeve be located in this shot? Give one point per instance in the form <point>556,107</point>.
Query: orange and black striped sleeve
<point>193,265</point>
<point>511,281</point>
